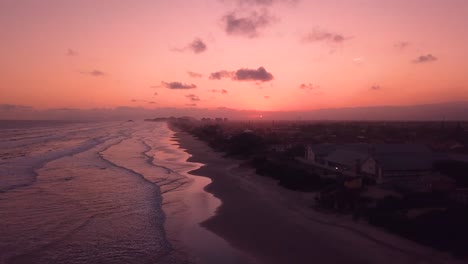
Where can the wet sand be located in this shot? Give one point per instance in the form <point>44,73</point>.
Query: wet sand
<point>275,225</point>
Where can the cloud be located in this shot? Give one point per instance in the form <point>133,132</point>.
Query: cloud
<point>246,25</point>
<point>259,74</point>
<point>191,104</point>
<point>152,102</point>
<point>155,93</point>
<point>308,86</point>
<point>402,45</point>
<point>222,91</point>
<point>197,46</point>
<point>71,52</point>
<point>194,74</point>
<point>244,74</point>
<point>178,85</point>
<point>95,73</point>
<point>266,97</point>
<point>425,59</point>
<point>375,87</point>
<point>193,97</point>
<point>324,36</point>
<point>136,101</point>
<point>220,74</point>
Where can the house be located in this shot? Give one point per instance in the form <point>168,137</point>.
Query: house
<point>279,147</point>
<point>317,153</point>
<point>460,195</point>
<point>398,162</point>
<point>436,182</point>
<point>350,162</point>
<point>383,163</point>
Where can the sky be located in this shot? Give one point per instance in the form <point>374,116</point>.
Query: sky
<point>265,55</point>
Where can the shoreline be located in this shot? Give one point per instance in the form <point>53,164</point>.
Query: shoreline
<point>276,225</point>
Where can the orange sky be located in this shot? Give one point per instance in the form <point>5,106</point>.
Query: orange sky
<point>109,53</point>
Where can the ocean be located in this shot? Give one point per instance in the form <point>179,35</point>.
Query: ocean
<point>102,192</point>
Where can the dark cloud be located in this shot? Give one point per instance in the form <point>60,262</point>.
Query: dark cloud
<point>266,97</point>
<point>71,52</point>
<point>178,85</point>
<point>155,93</point>
<point>193,97</point>
<point>259,74</point>
<point>224,91</point>
<point>197,46</point>
<point>152,102</point>
<point>191,104</point>
<point>95,73</point>
<point>246,25</point>
<point>324,36</point>
<point>308,86</point>
<point>194,74</point>
<point>244,74</point>
<point>402,45</point>
<point>220,74</point>
<point>375,87</point>
<point>425,59</point>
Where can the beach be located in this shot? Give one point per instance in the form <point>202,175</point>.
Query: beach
<point>275,225</point>
<point>143,192</point>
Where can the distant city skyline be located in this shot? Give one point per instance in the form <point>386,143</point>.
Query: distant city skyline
<point>274,56</point>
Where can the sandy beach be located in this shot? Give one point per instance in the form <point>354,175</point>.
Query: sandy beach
<point>275,225</point>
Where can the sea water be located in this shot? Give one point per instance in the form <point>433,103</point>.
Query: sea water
<point>107,192</point>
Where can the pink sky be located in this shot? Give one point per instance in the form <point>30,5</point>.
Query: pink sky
<point>108,53</point>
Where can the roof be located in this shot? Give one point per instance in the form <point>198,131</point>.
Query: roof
<point>347,157</point>
<point>323,149</point>
<point>386,149</point>
<point>401,157</point>
<point>404,162</point>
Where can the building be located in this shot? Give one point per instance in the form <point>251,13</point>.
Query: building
<point>436,182</point>
<point>397,162</point>
<point>383,163</point>
<point>460,195</point>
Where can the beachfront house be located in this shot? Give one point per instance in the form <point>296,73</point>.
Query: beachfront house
<point>350,160</point>
<point>383,163</point>
<point>401,162</point>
